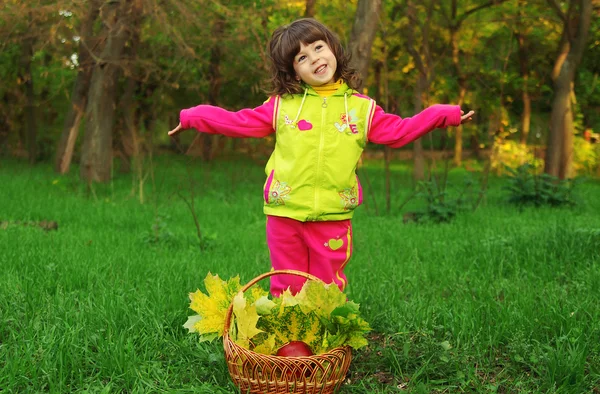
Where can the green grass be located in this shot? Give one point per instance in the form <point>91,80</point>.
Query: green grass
<point>500,300</point>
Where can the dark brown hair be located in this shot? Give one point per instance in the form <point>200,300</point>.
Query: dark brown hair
<point>285,45</point>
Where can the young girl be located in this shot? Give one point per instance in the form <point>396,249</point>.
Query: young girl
<point>322,125</point>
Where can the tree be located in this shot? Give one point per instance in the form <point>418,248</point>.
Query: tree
<point>129,136</point>
<point>455,20</point>
<point>66,144</point>
<point>424,64</point>
<point>576,22</point>
<point>30,107</point>
<point>309,11</point>
<point>521,32</point>
<point>96,159</point>
<point>363,34</point>
<point>24,27</point>
<point>215,80</point>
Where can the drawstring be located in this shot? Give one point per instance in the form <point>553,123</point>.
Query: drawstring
<point>300,109</point>
<point>295,122</point>
<point>346,105</point>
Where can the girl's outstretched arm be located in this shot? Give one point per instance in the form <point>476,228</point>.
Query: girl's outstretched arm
<point>392,130</point>
<point>256,122</point>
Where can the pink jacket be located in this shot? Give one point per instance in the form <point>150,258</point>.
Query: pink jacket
<point>386,129</point>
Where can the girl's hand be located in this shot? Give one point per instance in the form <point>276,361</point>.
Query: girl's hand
<point>466,118</point>
<point>176,130</point>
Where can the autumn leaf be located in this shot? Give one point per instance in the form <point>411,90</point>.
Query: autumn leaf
<point>191,323</point>
<point>264,305</point>
<point>319,297</point>
<point>246,319</point>
<point>267,346</point>
<point>212,307</point>
<point>318,315</point>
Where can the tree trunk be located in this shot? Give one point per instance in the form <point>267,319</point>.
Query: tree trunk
<point>5,128</point>
<point>455,22</point>
<point>206,143</point>
<point>66,145</point>
<point>524,69</point>
<point>30,107</point>
<point>96,159</point>
<point>559,153</point>
<point>129,139</point>
<point>211,142</point>
<point>309,11</point>
<point>560,143</point>
<point>363,33</point>
<point>418,156</point>
<point>424,65</point>
<point>383,91</point>
<point>462,90</point>
<point>526,116</point>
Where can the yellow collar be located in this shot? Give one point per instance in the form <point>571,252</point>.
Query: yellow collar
<point>329,89</point>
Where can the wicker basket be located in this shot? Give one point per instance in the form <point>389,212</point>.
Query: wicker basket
<point>259,373</point>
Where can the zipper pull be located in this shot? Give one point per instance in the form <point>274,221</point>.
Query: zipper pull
<point>324,105</point>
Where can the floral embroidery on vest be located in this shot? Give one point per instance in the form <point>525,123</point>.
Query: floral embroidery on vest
<point>349,198</point>
<point>352,118</point>
<point>279,193</point>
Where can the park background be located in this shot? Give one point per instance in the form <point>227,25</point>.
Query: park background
<point>476,249</point>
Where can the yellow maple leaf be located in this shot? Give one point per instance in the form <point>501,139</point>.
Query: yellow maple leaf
<point>287,299</point>
<point>320,298</point>
<point>213,306</point>
<point>268,346</point>
<point>246,319</point>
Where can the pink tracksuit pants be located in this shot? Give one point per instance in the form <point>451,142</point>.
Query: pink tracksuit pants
<point>320,248</point>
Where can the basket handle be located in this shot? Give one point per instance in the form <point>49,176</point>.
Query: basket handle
<point>257,279</point>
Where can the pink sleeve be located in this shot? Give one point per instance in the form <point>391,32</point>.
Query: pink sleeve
<point>392,130</point>
<point>256,122</point>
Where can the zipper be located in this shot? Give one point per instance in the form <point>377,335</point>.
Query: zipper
<point>319,153</point>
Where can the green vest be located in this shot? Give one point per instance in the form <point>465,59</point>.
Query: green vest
<point>311,174</point>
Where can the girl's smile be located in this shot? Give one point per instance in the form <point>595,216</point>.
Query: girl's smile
<point>315,63</point>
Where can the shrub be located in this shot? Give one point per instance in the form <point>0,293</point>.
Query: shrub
<point>525,187</point>
<point>585,156</point>
<point>512,154</point>
<point>441,207</point>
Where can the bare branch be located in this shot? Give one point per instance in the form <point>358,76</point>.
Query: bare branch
<point>556,7</point>
<point>480,7</point>
<point>410,42</point>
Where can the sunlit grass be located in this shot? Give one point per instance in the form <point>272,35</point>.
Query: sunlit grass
<point>499,300</point>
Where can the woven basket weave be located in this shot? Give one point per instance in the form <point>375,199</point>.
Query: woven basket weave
<point>259,373</point>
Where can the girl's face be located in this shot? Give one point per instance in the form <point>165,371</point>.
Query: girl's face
<point>315,64</point>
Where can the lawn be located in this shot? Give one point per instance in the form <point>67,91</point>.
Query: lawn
<point>501,299</point>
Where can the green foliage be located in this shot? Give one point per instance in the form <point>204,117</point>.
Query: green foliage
<point>181,45</point>
<point>588,78</point>
<point>585,156</point>
<point>211,307</point>
<point>512,154</point>
<point>319,315</point>
<point>439,208</point>
<point>159,232</point>
<point>527,188</point>
<point>442,206</point>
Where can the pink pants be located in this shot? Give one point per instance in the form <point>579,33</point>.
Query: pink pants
<point>320,248</point>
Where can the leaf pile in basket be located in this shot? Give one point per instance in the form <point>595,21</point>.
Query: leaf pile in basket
<point>319,315</point>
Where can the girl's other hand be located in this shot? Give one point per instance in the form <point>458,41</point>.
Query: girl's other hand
<point>466,118</point>
<point>176,130</point>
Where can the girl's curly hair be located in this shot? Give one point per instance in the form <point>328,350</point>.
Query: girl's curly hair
<point>285,45</point>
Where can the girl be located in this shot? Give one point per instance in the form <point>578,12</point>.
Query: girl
<point>322,125</point>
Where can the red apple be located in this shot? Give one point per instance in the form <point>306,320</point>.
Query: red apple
<point>295,349</point>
